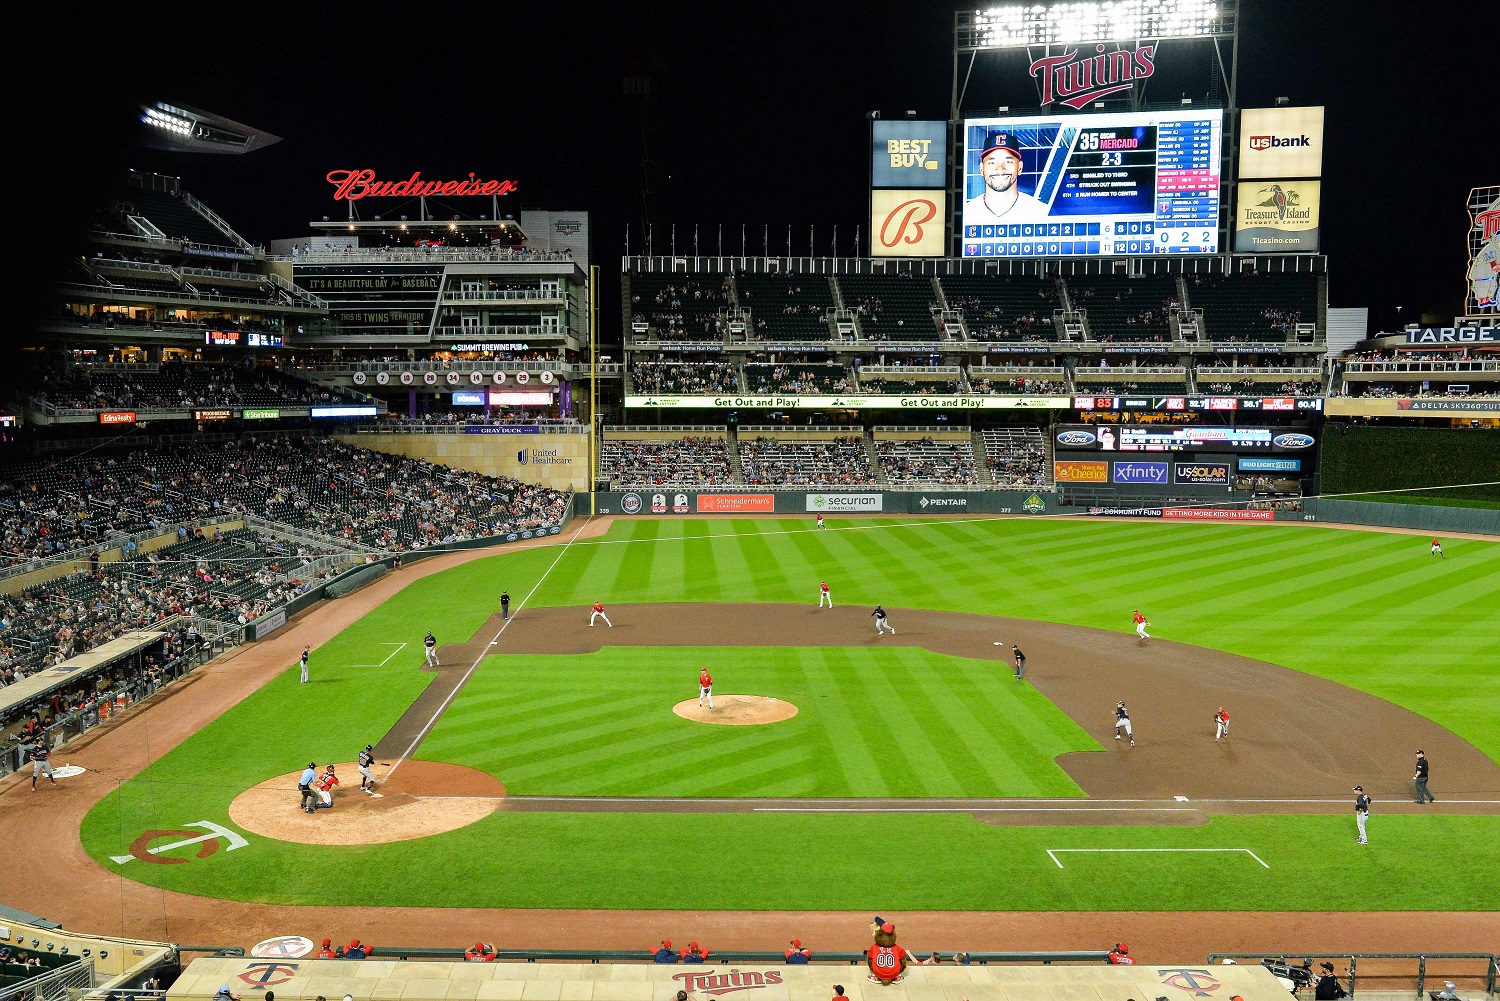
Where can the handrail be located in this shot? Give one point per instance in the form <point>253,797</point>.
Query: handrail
<point>1492,969</point>
<point>425,255</point>
<point>641,956</point>
<point>56,984</point>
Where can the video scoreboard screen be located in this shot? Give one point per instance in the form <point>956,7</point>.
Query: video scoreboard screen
<point>1128,438</point>
<point>1080,185</point>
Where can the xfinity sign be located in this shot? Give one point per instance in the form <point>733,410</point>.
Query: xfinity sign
<point>1140,472</point>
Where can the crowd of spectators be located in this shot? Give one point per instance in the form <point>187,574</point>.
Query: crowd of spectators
<point>793,377</point>
<point>684,377</point>
<point>1017,457</point>
<point>907,387</point>
<point>928,461</point>
<point>689,461</point>
<point>1034,387</point>
<point>837,461</point>
<point>175,385</point>
<point>683,310</point>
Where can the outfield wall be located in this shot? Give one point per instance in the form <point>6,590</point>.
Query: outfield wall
<point>807,503</point>
<point>1357,458</point>
<point>523,452</point>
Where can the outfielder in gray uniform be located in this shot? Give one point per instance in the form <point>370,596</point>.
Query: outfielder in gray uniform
<point>39,754</point>
<point>1361,813</point>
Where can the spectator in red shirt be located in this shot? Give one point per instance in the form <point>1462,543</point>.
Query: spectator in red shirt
<point>694,954</point>
<point>796,955</point>
<point>886,959</point>
<point>1121,955</point>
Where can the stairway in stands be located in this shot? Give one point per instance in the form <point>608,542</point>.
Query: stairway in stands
<point>732,440</point>
<point>981,458</point>
<point>873,455</point>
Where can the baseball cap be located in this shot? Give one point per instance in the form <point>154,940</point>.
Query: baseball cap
<point>1359,788</point>
<point>1421,752</point>
<point>369,747</point>
<point>887,927</point>
<point>666,943</point>
<point>796,943</point>
<point>1005,140</point>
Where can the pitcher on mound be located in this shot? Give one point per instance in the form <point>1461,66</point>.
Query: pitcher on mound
<point>705,688</point>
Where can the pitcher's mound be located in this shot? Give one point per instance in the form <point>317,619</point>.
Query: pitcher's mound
<point>423,798</point>
<point>737,710</point>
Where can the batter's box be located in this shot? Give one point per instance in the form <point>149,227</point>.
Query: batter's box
<point>1052,853</point>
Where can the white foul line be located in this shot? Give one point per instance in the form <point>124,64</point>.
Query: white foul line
<point>388,659</point>
<point>1051,851</point>
<point>969,809</point>
<point>483,653</point>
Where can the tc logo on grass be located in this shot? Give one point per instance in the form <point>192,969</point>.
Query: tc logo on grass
<point>140,847</point>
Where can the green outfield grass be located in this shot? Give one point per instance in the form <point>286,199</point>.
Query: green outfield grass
<point>1369,610</point>
<point>898,721</point>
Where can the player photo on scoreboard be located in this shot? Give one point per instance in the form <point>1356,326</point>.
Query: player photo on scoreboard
<point>1119,183</point>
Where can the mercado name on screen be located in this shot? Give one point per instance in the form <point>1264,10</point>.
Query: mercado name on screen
<point>853,401</point>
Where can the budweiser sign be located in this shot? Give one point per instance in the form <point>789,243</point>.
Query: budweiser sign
<point>356,184</point>
<point>1074,82</point>
<point>713,983</point>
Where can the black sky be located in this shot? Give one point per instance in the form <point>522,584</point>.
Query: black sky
<point>757,114</point>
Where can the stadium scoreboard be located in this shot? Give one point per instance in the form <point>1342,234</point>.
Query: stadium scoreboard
<point>1105,184</point>
<point>1137,438</point>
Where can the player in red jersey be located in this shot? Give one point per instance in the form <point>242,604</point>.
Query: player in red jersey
<point>1221,723</point>
<point>1437,549</point>
<point>705,688</point>
<point>1140,625</point>
<point>824,597</point>
<point>598,613</point>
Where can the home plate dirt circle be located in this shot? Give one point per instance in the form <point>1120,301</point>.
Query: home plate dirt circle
<point>423,798</point>
<point>737,710</point>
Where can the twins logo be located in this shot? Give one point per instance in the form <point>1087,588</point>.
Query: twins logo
<point>908,212</point>
<point>140,847</point>
<point>259,976</point>
<point>727,983</point>
<point>1200,983</point>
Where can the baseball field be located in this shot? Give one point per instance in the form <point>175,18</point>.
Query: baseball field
<point>542,764</point>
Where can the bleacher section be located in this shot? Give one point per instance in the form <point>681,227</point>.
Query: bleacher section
<point>926,460</point>
<point>684,378</point>
<point>665,460</point>
<point>1122,308</point>
<point>1004,309</point>
<point>1018,457</point>
<point>786,307</point>
<point>175,385</point>
<point>892,307</point>
<point>1253,306</point>
<point>174,217</point>
<point>680,307</point>
<point>896,385</point>
<point>787,461</point>
<point>793,377</point>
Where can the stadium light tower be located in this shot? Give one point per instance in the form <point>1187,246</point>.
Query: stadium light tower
<point>1051,30</point>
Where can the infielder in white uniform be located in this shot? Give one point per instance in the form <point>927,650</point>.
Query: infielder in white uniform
<point>598,613</point>
<point>881,624</point>
<point>824,597</point>
<point>431,644</point>
<point>1140,625</point>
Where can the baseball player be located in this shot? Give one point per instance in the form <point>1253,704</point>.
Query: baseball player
<point>1221,723</point>
<point>1122,722</point>
<point>820,520</point>
<point>1361,813</point>
<point>304,664</point>
<point>1020,661</point>
<point>40,752</point>
<point>305,787</point>
<point>705,688</point>
<point>366,772</point>
<point>325,786</point>
<point>1437,549</point>
<point>823,595</point>
<point>598,613</point>
<point>430,643</point>
<point>881,622</point>
<point>1140,625</point>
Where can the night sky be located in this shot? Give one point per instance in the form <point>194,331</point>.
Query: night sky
<point>756,116</point>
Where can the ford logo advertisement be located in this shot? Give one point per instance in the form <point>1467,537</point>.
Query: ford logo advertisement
<point>1075,438</point>
<point>1293,441</point>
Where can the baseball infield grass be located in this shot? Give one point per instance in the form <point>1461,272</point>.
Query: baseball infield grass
<point>1368,610</point>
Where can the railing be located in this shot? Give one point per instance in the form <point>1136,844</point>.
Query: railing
<point>553,425</point>
<point>111,540</point>
<point>1230,372</point>
<point>1488,977</point>
<point>61,984</point>
<point>213,217</point>
<point>1420,366</point>
<point>910,370</point>
<point>622,429</point>
<point>490,295</point>
<point>99,263</point>
<point>424,255</point>
<point>641,956</point>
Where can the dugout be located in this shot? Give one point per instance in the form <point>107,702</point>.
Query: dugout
<point>368,979</point>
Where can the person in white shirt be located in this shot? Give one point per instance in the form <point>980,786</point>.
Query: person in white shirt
<point>1002,200</point>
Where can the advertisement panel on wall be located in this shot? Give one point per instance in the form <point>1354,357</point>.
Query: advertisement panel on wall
<point>1281,142</point>
<point>1484,250</point>
<point>736,503</point>
<point>851,402</point>
<point>906,154</point>
<point>1214,473</point>
<point>1279,217</point>
<point>907,223</point>
<point>1140,472</point>
<point>1216,514</point>
<point>1076,185</point>
<point>1080,472</point>
<point>1256,464</point>
<point>845,502</point>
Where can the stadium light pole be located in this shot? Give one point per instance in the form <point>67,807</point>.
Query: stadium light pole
<point>593,387</point>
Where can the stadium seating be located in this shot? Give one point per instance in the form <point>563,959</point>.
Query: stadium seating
<point>896,307</point>
<point>1253,307</point>
<point>171,214</point>
<point>793,462</point>
<point>1123,308</point>
<point>924,460</point>
<point>786,307</point>
<point>797,377</point>
<point>684,378</point>
<point>175,385</point>
<point>895,384</point>
<point>680,307</point>
<point>1004,309</point>
<point>1018,457</point>
<point>684,461</point>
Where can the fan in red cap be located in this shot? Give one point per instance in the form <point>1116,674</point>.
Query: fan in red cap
<point>796,955</point>
<point>1121,955</point>
<point>694,953</point>
<point>480,952</point>
<point>663,953</point>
